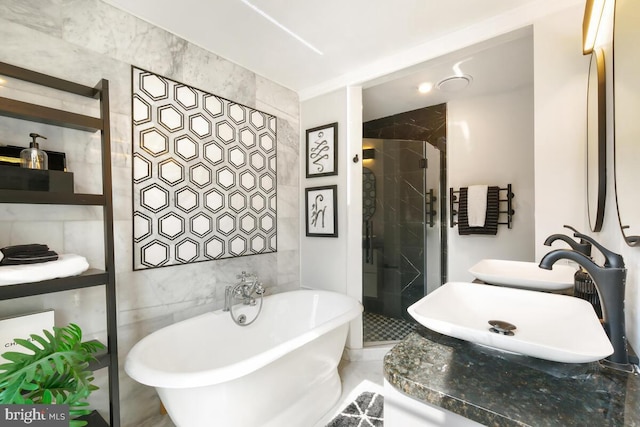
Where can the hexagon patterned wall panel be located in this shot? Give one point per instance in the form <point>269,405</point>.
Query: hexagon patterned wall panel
<point>204,175</point>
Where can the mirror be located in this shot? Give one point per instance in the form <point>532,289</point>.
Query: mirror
<point>627,123</point>
<point>596,141</point>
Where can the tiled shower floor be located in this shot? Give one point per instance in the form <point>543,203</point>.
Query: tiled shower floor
<point>379,328</point>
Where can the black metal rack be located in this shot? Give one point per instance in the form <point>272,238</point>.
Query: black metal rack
<point>508,210</point>
<point>37,113</point>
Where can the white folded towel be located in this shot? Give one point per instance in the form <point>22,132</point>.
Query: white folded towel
<point>66,265</point>
<point>477,205</point>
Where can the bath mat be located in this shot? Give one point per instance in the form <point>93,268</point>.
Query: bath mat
<point>365,411</point>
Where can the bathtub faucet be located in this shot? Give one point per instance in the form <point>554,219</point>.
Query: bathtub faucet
<point>244,290</point>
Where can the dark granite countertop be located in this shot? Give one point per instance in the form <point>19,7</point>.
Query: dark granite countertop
<point>497,388</point>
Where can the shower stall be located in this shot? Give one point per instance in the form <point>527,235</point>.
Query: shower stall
<point>403,239</point>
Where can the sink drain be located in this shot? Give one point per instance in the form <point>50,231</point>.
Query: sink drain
<point>501,327</point>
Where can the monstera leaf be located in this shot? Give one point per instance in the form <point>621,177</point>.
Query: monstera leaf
<point>56,371</point>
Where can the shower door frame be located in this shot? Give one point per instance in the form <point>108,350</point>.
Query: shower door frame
<point>440,204</point>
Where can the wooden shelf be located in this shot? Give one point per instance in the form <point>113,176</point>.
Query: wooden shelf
<point>51,116</point>
<point>47,80</point>
<point>89,278</point>
<point>92,277</point>
<point>48,198</point>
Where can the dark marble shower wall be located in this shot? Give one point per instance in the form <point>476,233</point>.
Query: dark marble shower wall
<point>403,236</point>
<point>425,124</point>
<point>400,213</point>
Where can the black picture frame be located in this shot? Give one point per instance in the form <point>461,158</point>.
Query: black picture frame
<point>322,151</point>
<point>321,211</point>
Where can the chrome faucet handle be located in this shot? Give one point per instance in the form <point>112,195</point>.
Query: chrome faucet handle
<point>259,288</point>
<point>612,259</point>
<point>244,276</point>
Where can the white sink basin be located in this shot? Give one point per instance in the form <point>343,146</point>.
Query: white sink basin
<point>549,326</point>
<point>526,275</point>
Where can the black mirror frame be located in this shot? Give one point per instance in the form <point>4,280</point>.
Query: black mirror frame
<point>597,56</point>
<point>629,238</point>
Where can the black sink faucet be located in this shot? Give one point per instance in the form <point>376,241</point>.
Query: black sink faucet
<point>584,247</point>
<point>610,284</point>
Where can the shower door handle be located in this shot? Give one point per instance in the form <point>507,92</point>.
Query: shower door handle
<point>430,212</point>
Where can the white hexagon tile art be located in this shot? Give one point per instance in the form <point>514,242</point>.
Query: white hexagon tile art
<point>204,175</point>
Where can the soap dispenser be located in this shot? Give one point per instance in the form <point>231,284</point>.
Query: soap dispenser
<point>33,157</point>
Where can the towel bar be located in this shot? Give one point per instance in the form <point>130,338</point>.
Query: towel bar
<point>453,201</point>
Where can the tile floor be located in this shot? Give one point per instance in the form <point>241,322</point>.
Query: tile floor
<point>379,328</point>
<point>357,376</point>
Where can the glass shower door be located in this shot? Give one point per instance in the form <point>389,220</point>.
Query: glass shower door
<point>394,232</point>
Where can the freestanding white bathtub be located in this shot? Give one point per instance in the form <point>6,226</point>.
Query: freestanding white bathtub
<point>279,371</point>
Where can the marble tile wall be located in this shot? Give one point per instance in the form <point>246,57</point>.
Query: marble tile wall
<point>424,124</point>
<point>84,41</point>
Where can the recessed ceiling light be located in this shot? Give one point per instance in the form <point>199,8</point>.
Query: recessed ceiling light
<point>425,87</point>
<point>282,27</point>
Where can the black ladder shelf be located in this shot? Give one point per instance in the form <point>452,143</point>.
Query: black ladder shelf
<point>92,277</point>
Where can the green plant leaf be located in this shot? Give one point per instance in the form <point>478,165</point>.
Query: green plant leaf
<point>14,357</point>
<point>27,344</point>
<point>57,371</point>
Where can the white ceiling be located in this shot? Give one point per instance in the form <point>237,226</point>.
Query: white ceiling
<point>498,65</point>
<point>356,36</point>
<point>350,33</point>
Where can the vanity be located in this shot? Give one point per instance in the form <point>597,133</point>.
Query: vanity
<point>436,380</point>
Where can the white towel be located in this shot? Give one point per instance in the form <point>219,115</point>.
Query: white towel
<point>66,265</point>
<point>477,205</point>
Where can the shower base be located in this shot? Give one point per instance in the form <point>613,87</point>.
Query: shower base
<point>379,328</point>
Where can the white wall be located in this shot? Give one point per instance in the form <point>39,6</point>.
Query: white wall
<point>560,75</point>
<point>490,141</point>
<point>325,258</point>
<point>85,41</point>
<point>336,263</point>
<point>610,235</point>
<point>561,79</point>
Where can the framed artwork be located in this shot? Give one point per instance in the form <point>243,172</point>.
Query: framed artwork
<point>322,151</point>
<point>322,211</point>
<point>204,175</point>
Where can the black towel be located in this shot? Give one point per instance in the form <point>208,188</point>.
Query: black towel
<point>23,249</point>
<point>26,254</point>
<point>33,258</point>
<point>491,219</point>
